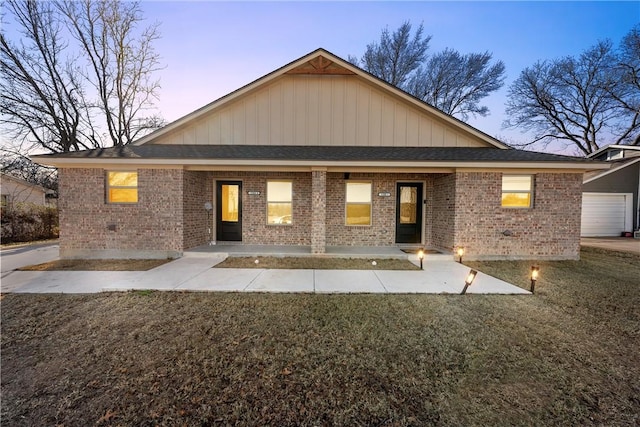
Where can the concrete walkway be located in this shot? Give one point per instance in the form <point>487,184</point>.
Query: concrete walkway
<point>623,244</point>
<point>195,273</point>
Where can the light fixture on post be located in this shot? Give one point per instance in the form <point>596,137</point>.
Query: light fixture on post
<point>535,271</point>
<point>470,278</point>
<point>460,252</point>
<point>421,257</point>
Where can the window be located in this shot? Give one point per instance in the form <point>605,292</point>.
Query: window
<point>230,202</point>
<point>358,203</point>
<point>279,202</point>
<point>5,201</point>
<point>517,191</point>
<point>122,187</point>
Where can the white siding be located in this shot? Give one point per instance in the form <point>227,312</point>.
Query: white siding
<point>320,110</point>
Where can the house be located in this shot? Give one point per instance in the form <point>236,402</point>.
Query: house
<point>15,190</point>
<point>610,204</point>
<point>319,153</point>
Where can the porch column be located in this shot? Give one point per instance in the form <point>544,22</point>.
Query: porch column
<point>319,210</point>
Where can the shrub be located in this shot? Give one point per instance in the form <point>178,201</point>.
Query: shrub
<point>26,222</point>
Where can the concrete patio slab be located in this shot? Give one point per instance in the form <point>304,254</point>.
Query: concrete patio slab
<point>197,274</point>
<point>282,281</point>
<point>624,244</point>
<point>347,281</point>
<point>418,282</point>
<point>166,277</point>
<point>221,279</point>
<point>66,282</point>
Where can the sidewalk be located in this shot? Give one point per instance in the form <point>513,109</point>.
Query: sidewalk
<point>624,244</point>
<point>197,274</point>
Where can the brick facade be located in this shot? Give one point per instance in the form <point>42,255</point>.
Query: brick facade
<point>548,230</point>
<point>461,209</point>
<point>90,227</point>
<point>318,211</point>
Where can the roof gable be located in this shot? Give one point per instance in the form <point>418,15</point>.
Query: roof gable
<point>320,99</point>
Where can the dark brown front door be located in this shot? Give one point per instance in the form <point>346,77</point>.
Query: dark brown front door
<point>409,213</point>
<point>229,211</point>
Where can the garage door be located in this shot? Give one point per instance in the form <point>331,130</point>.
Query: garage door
<point>605,214</point>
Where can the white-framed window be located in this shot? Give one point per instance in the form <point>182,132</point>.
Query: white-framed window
<point>358,203</point>
<point>122,187</point>
<point>517,191</point>
<point>279,202</point>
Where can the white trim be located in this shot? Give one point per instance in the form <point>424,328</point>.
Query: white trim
<point>613,146</point>
<point>593,178</point>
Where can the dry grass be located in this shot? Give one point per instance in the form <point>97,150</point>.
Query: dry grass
<point>565,356</point>
<point>316,263</point>
<point>97,265</point>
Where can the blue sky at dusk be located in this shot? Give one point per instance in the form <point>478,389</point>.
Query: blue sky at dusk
<point>212,48</point>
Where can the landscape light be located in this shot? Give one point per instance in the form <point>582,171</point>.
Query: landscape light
<point>535,271</point>
<point>421,257</point>
<point>470,278</point>
<point>460,253</point>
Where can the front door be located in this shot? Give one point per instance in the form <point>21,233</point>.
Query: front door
<point>409,213</point>
<point>229,211</point>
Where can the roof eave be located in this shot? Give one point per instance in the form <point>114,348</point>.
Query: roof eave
<point>382,164</point>
<point>611,170</point>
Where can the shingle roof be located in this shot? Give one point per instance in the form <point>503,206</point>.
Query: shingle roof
<point>315,153</point>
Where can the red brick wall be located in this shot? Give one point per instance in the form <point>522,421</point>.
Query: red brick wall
<point>461,209</point>
<point>443,207</point>
<point>254,208</point>
<point>198,189</point>
<point>318,211</point>
<point>90,227</point>
<point>548,230</point>
<point>382,231</point>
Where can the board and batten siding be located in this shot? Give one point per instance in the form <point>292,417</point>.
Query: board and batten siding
<point>320,110</point>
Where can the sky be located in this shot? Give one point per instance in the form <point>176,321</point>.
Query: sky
<point>212,48</point>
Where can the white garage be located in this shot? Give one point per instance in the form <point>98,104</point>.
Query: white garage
<point>606,214</point>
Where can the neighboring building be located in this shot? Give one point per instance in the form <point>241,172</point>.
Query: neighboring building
<point>610,204</point>
<point>15,190</point>
<point>319,153</point>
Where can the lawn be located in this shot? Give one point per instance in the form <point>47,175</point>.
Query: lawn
<point>567,355</point>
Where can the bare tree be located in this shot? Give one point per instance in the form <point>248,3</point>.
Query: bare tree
<point>24,168</point>
<point>90,89</point>
<point>121,63</point>
<point>448,80</point>
<point>457,83</point>
<point>586,101</point>
<point>397,55</point>
<point>38,87</point>
<point>628,91</point>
